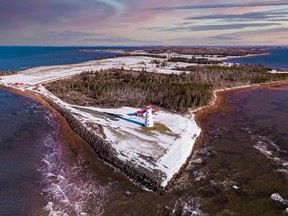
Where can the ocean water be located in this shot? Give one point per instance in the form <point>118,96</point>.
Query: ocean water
<point>247,143</point>
<point>20,58</point>
<point>276,58</point>
<point>241,164</point>
<point>43,172</point>
<point>239,168</point>
<point>23,143</point>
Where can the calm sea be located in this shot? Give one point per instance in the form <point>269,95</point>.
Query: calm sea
<point>20,58</point>
<point>277,58</point>
<point>242,162</point>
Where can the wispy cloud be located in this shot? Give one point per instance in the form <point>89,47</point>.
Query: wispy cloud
<point>213,27</point>
<point>72,34</point>
<point>252,16</point>
<point>214,6</point>
<point>18,13</point>
<point>260,32</point>
<point>225,38</point>
<point>104,22</point>
<point>231,26</point>
<point>117,40</point>
<point>260,35</point>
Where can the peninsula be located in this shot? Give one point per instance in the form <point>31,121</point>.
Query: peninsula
<point>100,99</point>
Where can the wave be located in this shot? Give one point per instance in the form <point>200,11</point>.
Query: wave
<point>272,151</point>
<point>68,190</point>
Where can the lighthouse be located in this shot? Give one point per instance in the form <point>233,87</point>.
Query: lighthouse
<point>149,117</point>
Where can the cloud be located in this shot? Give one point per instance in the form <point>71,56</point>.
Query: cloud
<point>64,36</point>
<point>214,27</point>
<point>237,38</point>
<point>85,22</point>
<point>117,40</point>
<point>19,13</point>
<point>215,6</point>
<point>231,26</point>
<point>225,38</point>
<point>263,31</point>
<point>269,34</point>
<point>252,16</point>
<point>72,34</point>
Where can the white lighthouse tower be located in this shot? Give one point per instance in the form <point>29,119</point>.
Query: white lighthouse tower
<point>149,117</point>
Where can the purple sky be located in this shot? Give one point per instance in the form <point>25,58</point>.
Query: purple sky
<point>145,22</point>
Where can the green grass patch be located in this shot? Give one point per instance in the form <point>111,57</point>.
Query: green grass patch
<point>159,128</point>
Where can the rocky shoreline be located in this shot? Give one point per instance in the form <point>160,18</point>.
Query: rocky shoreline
<point>105,151</point>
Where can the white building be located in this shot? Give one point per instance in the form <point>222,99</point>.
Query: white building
<point>149,117</point>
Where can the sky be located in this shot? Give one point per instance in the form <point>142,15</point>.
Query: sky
<point>143,22</point>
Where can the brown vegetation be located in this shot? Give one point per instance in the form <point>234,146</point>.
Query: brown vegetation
<point>236,75</point>
<point>118,87</point>
<point>7,72</point>
<point>204,51</point>
<point>194,60</point>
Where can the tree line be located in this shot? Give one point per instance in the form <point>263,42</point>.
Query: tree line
<point>175,92</point>
<point>7,72</point>
<point>236,75</point>
<point>194,60</point>
<point>207,51</point>
<point>117,88</point>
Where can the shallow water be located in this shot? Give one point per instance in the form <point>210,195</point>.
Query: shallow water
<point>248,139</point>
<point>41,171</point>
<point>21,148</point>
<point>45,169</point>
<point>242,161</point>
<point>48,170</point>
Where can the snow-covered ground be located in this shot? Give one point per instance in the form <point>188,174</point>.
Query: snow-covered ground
<point>278,72</point>
<point>160,151</point>
<point>177,55</point>
<point>44,74</point>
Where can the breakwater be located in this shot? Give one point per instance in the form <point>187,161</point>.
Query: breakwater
<point>104,150</point>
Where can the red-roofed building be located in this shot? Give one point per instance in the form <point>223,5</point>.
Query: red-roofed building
<point>18,84</point>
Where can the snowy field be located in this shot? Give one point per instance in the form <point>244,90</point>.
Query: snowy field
<point>160,151</point>
<point>45,74</point>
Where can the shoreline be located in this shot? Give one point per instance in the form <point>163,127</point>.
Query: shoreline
<point>102,151</point>
<point>245,56</point>
<point>80,64</point>
<point>73,128</point>
<point>219,97</point>
<point>66,124</point>
<point>104,148</point>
